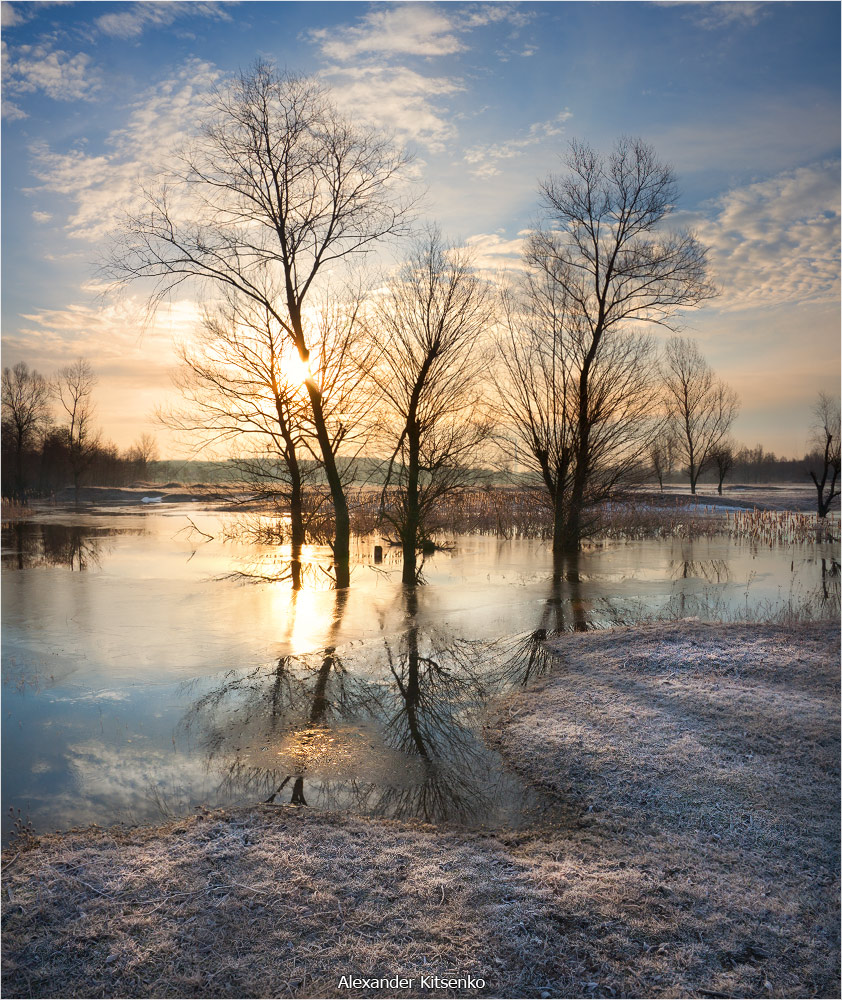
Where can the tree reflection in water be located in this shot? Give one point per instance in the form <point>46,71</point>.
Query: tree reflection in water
<point>389,728</point>
<point>28,544</point>
<point>524,658</point>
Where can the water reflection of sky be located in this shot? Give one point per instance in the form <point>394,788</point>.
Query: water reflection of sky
<point>147,669</point>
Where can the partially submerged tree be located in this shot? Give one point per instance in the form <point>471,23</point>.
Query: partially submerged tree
<point>701,407</point>
<point>283,187</point>
<point>242,386</point>
<point>546,350</point>
<point>823,463</point>
<point>604,244</point>
<point>26,412</point>
<point>74,386</point>
<point>428,329</point>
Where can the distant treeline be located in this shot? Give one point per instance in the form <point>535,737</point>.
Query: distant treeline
<point>755,465</point>
<point>47,469</point>
<point>47,466</point>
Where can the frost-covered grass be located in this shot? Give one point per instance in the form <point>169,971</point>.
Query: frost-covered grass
<point>277,902</point>
<point>703,764</point>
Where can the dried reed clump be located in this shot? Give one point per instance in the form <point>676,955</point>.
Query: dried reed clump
<point>781,527</point>
<point>251,526</point>
<point>14,510</point>
<point>633,520</point>
<point>511,512</point>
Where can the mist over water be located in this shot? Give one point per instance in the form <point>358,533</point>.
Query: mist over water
<point>154,662</point>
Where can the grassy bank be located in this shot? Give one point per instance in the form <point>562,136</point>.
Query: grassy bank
<point>699,767</point>
<point>703,763</point>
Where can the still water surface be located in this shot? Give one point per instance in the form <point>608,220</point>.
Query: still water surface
<point>148,668</point>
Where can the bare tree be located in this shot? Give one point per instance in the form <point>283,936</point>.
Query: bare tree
<point>26,411</point>
<point>534,385</point>
<point>545,347</point>
<point>243,385</point>
<point>701,407</point>
<point>604,244</point>
<point>824,459</point>
<point>722,458</point>
<point>428,328</point>
<point>661,452</point>
<point>74,386</point>
<point>283,187</point>
<point>144,450</point>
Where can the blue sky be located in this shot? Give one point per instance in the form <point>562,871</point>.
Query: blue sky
<point>742,99</point>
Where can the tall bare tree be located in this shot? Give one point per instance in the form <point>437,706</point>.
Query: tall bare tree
<point>242,385</point>
<point>282,188</point>
<point>823,462</point>
<point>544,349</point>
<point>428,329</point>
<point>604,243</point>
<point>26,411</point>
<point>701,407</point>
<point>74,386</point>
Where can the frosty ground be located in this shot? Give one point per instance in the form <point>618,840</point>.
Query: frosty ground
<point>699,767</point>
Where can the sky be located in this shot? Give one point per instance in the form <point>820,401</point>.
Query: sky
<point>742,99</point>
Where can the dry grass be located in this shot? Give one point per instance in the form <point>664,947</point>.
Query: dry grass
<point>703,762</point>
<point>14,510</point>
<point>276,902</point>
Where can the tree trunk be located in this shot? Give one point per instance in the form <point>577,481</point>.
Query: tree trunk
<point>411,518</point>
<point>296,507</point>
<point>342,518</point>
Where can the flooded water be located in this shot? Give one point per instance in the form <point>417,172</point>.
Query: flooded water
<point>152,663</point>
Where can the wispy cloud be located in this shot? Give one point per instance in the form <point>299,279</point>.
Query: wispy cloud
<point>135,18</point>
<point>777,240</point>
<point>396,98</point>
<point>369,63</point>
<point>483,160</point>
<point>10,15</point>
<point>64,77</point>
<point>414,29</point>
<point>493,253</point>
<point>714,14</point>
<point>102,186</point>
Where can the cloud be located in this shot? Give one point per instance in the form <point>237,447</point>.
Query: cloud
<point>12,113</point>
<point>483,160</point>
<point>41,216</point>
<point>103,186</point>
<point>493,253</point>
<point>396,98</point>
<point>15,14</point>
<point>135,18</point>
<point>777,240</point>
<point>64,77</point>
<point>368,63</point>
<point>715,14</point>
<point>414,29</point>
<point>10,16</point>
